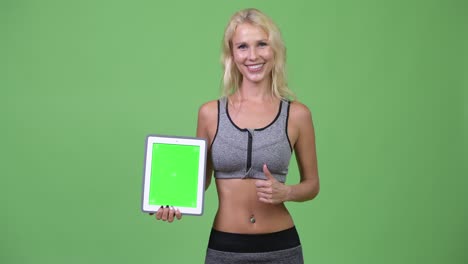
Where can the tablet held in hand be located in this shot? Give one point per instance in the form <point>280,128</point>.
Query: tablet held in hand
<point>174,174</point>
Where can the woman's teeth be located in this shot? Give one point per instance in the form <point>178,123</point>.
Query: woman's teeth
<point>254,67</point>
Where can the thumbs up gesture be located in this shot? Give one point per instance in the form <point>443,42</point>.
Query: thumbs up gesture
<point>270,190</point>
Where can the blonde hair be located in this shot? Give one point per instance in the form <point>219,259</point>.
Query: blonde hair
<point>232,78</point>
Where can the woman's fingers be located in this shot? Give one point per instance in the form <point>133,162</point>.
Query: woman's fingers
<point>264,195</point>
<point>170,217</point>
<point>178,214</point>
<point>159,213</point>
<point>168,213</point>
<point>165,213</point>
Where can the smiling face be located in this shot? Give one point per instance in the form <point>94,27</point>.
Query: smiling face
<point>252,53</point>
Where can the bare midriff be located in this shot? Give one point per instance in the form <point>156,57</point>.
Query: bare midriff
<point>241,212</point>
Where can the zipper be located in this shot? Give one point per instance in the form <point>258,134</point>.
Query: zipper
<point>249,152</point>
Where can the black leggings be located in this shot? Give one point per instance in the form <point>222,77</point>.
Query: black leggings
<point>278,247</point>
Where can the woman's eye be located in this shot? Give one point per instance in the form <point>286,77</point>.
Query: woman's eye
<point>242,46</point>
<point>262,44</point>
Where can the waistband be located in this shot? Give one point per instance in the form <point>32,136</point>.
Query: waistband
<point>252,243</point>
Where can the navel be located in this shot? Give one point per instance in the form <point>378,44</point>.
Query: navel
<point>252,219</point>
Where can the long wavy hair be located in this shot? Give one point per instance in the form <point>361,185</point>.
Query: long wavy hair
<point>232,78</point>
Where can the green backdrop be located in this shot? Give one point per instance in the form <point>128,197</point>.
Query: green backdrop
<point>83,82</point>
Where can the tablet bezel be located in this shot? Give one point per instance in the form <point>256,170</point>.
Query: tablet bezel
<point>175,140</point>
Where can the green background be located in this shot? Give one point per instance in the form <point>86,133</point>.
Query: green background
<point>83,82</point>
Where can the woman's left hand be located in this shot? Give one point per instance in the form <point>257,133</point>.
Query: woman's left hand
<point>271,191</point>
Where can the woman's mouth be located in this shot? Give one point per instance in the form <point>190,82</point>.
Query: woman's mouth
<point>255,67</point>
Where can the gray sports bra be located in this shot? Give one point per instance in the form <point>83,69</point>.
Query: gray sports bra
<point>241,153</point>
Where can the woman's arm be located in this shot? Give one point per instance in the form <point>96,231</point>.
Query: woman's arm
<point>206,128</point>
<point>306,156</point>
<point>301,134</point>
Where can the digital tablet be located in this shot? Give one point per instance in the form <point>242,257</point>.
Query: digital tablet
<point>174,174</point>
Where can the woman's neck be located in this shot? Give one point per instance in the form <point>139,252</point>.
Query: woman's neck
<point>254,91</point>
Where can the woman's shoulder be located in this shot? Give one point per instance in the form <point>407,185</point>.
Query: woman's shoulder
<point>208,110</point>
<point>299,111</point>
<point>209,106</point>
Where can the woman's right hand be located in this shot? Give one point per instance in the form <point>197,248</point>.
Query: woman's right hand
<point>167,214</point>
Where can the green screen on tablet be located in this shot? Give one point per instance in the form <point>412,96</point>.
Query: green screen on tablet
<point>174,174</point>
<point>175,170</point>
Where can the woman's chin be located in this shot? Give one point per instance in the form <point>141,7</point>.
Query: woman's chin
<point>255,78</point>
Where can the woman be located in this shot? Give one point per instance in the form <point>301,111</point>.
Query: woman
<point>252,131</point>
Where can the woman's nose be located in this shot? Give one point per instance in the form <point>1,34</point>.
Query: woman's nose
<point>253,54</point>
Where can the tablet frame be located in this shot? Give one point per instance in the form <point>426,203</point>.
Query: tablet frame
<point>176,140</point>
